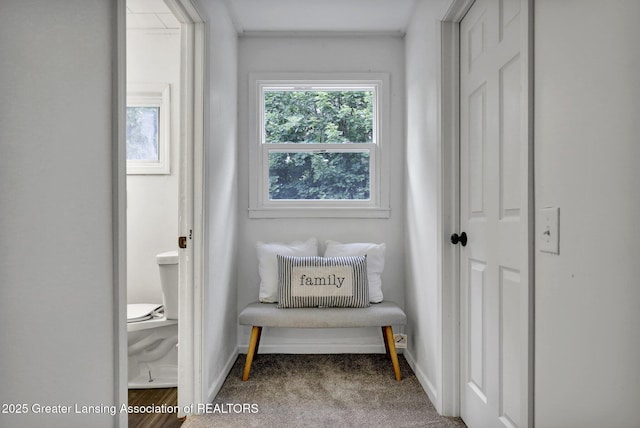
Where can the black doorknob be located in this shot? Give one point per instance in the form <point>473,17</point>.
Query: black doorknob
<point>462,239</point>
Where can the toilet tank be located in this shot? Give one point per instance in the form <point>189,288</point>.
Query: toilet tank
<point>168,265</point>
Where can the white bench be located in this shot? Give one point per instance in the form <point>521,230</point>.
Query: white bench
<point>382,315</point>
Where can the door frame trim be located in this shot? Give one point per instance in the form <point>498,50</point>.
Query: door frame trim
<point>450,199</point>
<point>119,214</point>
<point>450,203</point>
<point>191,357</point>
<point>191,204</point>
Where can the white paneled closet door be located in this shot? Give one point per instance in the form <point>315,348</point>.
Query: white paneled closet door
<point>494,274</point>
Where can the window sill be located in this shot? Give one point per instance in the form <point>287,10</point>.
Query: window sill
<point>319,212</point>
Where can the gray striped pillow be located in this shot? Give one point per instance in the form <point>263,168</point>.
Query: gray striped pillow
<point>309,282</point>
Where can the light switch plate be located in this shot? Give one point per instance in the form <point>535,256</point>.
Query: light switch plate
<point>549,231</point>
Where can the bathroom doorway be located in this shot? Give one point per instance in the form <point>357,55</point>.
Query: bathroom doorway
<point>164,185</point>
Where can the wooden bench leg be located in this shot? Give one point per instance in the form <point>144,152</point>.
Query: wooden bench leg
<point>388,331</point>
<point>254,343</point>
<point>386,345</point>
<point>255,353</point>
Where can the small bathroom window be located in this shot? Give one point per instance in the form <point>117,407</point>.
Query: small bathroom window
<point>148,127</point>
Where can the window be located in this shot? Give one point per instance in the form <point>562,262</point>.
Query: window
<point>317,147</point>
<point>148,129</point>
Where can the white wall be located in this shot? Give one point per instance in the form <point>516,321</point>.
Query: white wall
<point>221,197</point>
<point>322,54</point>
<point>153,56</point>
<point>423,234</point>
<point>587,106</point>
<point>56,256</point>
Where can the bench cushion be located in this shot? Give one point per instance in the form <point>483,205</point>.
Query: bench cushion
<point>268,315</point>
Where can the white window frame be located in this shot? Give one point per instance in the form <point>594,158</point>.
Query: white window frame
<point>153,95</point>
<point>377,206</point>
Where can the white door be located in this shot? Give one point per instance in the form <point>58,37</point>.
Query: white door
<point>494,213</point>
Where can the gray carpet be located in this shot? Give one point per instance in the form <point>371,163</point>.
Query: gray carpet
<point>357,390</point>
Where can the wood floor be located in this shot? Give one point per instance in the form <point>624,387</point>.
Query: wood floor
<point>155,397</point>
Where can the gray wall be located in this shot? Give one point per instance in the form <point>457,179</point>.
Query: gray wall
<point>587,106</point>
<point>152,200</point>
<point>422,234</point>
<point>322,54</point>
<point>221,197</point>
<point>56,256</point>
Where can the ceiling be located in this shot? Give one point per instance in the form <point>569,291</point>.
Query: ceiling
<point>150,14</point>
<point>321,15</point>
<point>257,16</point>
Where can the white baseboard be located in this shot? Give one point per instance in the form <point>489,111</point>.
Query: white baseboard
<point>427,385</point>
<point>215,387</point>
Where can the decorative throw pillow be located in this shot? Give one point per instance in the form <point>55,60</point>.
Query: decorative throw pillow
<point>309,282</point>
<point>375,262</point>
<point>268,263</point>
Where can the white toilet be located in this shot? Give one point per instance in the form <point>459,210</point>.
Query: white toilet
<point>152,332</point>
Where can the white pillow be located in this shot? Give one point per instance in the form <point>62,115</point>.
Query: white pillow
<point>375,262</point>
<point>268,263</point>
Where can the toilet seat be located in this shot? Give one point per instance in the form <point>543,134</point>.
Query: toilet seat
<point>137,312</point>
